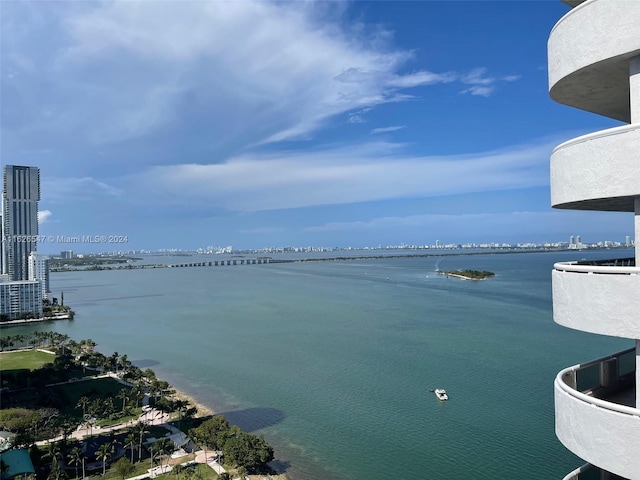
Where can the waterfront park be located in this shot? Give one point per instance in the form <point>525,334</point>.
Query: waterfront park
<point>72,412</point>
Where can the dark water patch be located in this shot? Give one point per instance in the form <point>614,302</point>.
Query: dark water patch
<point>81,286</point>
<point>130,297</point>
<point>146,363</point>
<point>253,419</point>
<point>280,466</point>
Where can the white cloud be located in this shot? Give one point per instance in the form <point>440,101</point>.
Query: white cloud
<point>246,72</point>
<point>353,174</point>
<point>358,116</point>
<point>43,216</point>
<point>483,84</point>
<point>419,79</point>
<point>388,129</point>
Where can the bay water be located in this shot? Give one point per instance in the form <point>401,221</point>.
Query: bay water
<point>333,361</point>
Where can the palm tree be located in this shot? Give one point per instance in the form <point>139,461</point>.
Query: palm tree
<point>124,362</point>
<point>113,361</point>
<point>67,429</point>
<point>152,450</point>
<point>181,406</point>
<point>88,345</point>
<point>162,446</point>
<point>140,429</point>
<point>108,407</point>
<point>104,453</point>
<point>199,441</point>
<point>76,457</point>
<point>166,447</point>
<point>113,441</point>
<point>83,403</point>
<point>53,451</point>
<point>130,442</point>
<point>57,473</point>
<point>137,393</point>
<point>124,395</point>
<point>178,469</point>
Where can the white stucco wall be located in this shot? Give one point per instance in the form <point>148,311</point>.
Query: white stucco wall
<point>599,436</point>
<point>593,32</point>
<point>602,304</point>
<point>589,51</point>
<point>596,166</point>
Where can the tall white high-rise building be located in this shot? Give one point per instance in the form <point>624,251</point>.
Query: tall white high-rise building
<point>594,65</point>
<point>39,270</point>
<point>20,292</point>
<point>20,299</point>
<point>20,197</point>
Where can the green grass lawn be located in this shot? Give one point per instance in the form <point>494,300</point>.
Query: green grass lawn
<point>24,360</point>
<point>199,471</point>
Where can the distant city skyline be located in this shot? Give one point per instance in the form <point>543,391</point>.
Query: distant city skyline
<point>256,124</point>
<point>77,247</point>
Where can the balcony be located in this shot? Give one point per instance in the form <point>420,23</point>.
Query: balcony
<point>594,414</point>
<point>598,297</point>
<point>591,472</point>
<point>588,66</point>
<point>585,171</point>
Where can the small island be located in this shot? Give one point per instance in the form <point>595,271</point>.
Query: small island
<point>467,274</point>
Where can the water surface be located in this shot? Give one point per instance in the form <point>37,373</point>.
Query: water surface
<point>333,361</point>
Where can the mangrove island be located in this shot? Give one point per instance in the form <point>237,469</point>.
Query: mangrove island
<point>467,274</point>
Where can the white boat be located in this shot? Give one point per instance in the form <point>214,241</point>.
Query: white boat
<point>441,394</point>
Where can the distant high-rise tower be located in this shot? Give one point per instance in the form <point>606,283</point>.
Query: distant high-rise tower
<point>20,197</point>
<point>39,270</point>
<point>572,240</point>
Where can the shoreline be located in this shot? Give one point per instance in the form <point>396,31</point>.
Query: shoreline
<point>202,410</point>
<point>11,323</point>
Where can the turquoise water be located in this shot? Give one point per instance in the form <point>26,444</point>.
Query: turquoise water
<point>333,361</point>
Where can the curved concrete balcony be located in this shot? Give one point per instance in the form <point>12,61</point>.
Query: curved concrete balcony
<point>589,472</point>
<point>598,297</point>
<point>588,66</point>
<point>594,426</point>
<point>585,171</point>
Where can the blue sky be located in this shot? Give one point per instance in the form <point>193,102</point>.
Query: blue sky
<point>187,124</point>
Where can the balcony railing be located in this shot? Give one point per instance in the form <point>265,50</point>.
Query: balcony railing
<point>591,472</point>
<point>617,266</point>
<point>598,296</point>
<point>594,381</point>
<point>595,417</point>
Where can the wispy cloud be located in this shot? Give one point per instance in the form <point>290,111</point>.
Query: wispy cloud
<point>352,174</point>
<point>528,224</point>
<point>388,129</point>
<point>77,189</point>
<point>358,116</point>
<point>482,83</point>
<point>252,72</point>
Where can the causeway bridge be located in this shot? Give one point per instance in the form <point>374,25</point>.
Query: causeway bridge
<point>226,262</point>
